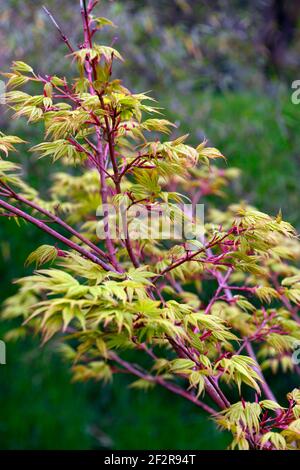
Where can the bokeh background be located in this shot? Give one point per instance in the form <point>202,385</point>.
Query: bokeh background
<point>223,70</point>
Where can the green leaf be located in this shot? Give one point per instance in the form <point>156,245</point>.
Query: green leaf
<point>142,384</point>
<point>182,365</point>
<point>19,66</point>
<point>274,438</point>
<point>42,255</point>
<point>270,405</point>
<point>101,22</point>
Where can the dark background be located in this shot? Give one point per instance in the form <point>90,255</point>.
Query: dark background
<point>223,70</point>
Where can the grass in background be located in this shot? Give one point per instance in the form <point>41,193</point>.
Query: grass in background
<point>258,134</point>
<point>42,409</point>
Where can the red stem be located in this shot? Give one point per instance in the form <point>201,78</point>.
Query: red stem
<point>56,235</point>
<point>63,224</point>
<point>110,131</point>
<point>170,386</point>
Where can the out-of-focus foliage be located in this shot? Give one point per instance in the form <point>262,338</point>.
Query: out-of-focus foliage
<point>223,44</point>
<point>258,133</point>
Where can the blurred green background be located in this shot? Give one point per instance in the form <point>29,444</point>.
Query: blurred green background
<point>223,70</point>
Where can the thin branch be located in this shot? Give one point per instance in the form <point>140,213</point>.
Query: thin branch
<point>110,130</point>
<point>62,35</point>
<point>92,4</point>
<point>264,385</point>
<point>103,191</point>
<point>190,257</point>
<point>211,386</point>
<point>60,222</point>
<point>286,302</point>
<point>218,291</point>
<point>267,391</point>
<point>85,17</point>
<point>56,235</point>
<point>80,147</point>
<point>168,385</point>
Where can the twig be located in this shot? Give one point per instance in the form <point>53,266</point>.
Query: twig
<point>92,75</point>
<point>190,257</point>
<point>170,386</point>
<point>56,235</point>
<point>60,222</point>
<point>267,391</point>
<point>62,35</point>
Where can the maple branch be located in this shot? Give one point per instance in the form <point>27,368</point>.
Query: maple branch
<point>109,130</point>
<point>169,386</point>
<point>264,385</point>
<point>62,35</point>
<point>190,257</point>
<point>41,225</point>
